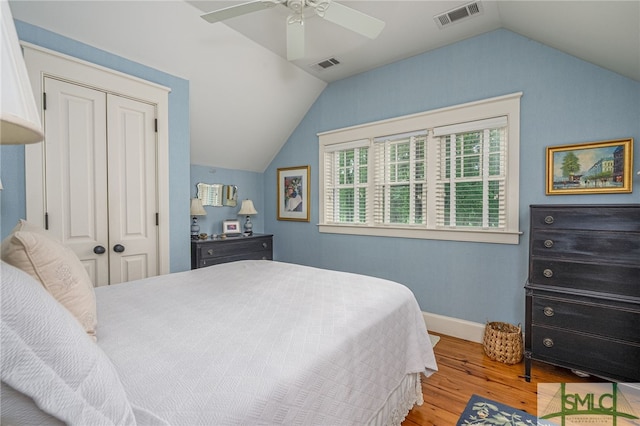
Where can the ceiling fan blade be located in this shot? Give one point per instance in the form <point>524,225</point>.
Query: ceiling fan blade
<point>353,20</point>
<point>295,37</point>
<point>237,10</point>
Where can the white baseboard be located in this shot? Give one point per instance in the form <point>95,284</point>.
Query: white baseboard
<point>454,327</point>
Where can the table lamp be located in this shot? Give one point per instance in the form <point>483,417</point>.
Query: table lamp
<point>247,209</point>
<point>196,210</point>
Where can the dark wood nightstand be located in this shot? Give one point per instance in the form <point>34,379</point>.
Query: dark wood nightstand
<point>213,252</point>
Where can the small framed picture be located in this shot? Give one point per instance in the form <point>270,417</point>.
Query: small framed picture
<point>294,193</point>
<point>590,168</point>
<point>231,227</point>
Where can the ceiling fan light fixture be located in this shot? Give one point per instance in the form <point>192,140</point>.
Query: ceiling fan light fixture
<point>297,6</point>
<point>329,10</point>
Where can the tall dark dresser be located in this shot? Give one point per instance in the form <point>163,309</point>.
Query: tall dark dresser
<point>583,289</point>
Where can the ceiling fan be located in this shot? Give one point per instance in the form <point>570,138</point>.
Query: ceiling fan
<point>330,10</point>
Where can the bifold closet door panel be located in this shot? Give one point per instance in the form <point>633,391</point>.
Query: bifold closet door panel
<point>76,172</point>
<point>132,175</point>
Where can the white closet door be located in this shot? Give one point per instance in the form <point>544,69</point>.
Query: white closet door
<point>101,180</point>
<point>132,174</point>
<point>76,172</point>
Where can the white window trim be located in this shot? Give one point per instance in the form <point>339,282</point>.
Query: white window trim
<point>507,105</point>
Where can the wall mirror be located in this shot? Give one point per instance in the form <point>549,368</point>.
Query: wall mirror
<point>217,194</point>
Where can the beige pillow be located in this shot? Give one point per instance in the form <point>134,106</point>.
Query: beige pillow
<point>56,267</point>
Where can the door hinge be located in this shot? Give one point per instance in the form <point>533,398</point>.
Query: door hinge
<point>44,100</point>
<point>46,221</point>
<point>157,219</point>
<point>156,124</point>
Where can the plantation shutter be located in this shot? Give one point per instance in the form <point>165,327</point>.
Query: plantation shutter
<point>471,174</point>
<point>346,182</point>
<point>400,194</point>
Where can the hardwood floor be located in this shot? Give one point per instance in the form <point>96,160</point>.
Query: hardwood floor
<point>465,370</point>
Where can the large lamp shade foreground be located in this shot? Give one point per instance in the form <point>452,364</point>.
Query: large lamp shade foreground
<point>19,118</point>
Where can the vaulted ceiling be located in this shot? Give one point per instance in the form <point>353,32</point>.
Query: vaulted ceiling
<point>246,98</point>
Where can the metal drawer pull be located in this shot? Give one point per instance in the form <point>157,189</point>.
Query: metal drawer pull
<point>210,252</point>
<point>548,311</point>
<point>547,273</point>
<point>264,245</point>
<point>548,243</point>
<point>547,342</point>
<point>548,220</point>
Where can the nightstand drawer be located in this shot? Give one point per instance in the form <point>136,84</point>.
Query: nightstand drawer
<point>597,355</point>
<point>587,317</point>
<point>603,278</point>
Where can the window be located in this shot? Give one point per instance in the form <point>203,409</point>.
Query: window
<point>447,174</point>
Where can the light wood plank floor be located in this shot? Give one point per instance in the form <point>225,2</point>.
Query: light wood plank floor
<point>465,370</point>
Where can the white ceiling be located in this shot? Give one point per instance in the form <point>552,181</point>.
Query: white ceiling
<point>246,99</point>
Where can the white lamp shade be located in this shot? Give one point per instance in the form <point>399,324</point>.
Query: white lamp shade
<point>247,208</point>
<point>19,118</point>
<point>196,208</point>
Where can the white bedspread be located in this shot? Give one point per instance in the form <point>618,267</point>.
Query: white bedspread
<point>261,343</point>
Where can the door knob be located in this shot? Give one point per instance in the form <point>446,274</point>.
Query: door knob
<point>99,250</point>
<point>118,248</point>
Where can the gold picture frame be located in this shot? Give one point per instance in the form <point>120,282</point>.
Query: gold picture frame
<point>590,168</point>
<point>294,193</point>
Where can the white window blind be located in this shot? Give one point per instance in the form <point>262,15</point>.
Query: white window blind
<point>471,177</point>
<point>346,173</point>
<point>455,178</point>
<point>400,179</point>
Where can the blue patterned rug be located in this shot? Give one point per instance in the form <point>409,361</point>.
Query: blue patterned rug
<point>483,411</point>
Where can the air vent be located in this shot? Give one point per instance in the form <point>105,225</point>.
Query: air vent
<point>458,14</point>
<point>327,63</point>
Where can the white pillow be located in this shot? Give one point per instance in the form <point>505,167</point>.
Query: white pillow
<point>57,268</point>
<point>47,357</point>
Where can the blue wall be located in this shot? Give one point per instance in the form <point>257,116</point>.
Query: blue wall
<point>250,187</point>
<point>565,101</point>
<point>12,205</point>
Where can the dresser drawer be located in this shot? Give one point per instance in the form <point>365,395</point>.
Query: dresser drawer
<point>591,317</point>
<point>589,217</point>
<point>214,252</point>
<point>230,248</point>
<point>603,278</point>
<point>256,255</point>
<point>596,355</point>
<point>614,247</point>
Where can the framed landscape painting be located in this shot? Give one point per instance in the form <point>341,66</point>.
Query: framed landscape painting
<point>293,193</point>
<point>590,168</point>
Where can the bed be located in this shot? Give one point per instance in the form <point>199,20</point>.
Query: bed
<point>242,343</point>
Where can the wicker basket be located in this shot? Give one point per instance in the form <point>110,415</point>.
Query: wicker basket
<point>503,342</point>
